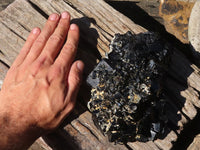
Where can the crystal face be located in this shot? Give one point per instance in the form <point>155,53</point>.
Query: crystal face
<point>127,98</point>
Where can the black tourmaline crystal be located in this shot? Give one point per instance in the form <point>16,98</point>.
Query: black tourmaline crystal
<point>127,99</point>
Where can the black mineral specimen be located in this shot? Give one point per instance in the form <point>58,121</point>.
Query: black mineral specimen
<point>127,98</point>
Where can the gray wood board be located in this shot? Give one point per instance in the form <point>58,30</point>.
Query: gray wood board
<point>97,26</point>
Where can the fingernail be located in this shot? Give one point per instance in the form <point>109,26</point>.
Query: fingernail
<point>65,15</point>
<point>80,66</point>
<point>53,17</point>
<point>73,27</point>
<point>35,31</point>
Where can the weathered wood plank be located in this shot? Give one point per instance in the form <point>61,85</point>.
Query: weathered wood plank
<point>143,146</point>
<point>195,145</point>
<point>15,29</point>
<point>40,145</point>
<point>167,142</point>
<point>125,0</point>
<point>91,136</point>
<point>9,49</point>
<point>103,15</point>
<point>97,26</point>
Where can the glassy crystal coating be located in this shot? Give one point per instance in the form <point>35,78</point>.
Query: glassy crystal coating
<point>127,98</point>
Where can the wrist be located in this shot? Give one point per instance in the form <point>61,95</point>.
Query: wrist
<point>13,136</point>
<point>15,133</point>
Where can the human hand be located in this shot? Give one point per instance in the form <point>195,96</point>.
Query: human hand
<point>40,88</point>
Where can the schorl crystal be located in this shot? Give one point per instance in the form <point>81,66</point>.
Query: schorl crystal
<point>127,97</point>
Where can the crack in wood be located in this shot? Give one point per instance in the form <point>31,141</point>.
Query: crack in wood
<point>38,9</point>
<point>94,22</point>
<point>25,28</point>
<point>88,129</point>
<point>1,61</point>
<point>54,8</point>
<point>197,92</point>
<point>1,52</point>
<point>74,7</point>
<point>13,31</point>
<point>101,29</point>
<point>127,146</point>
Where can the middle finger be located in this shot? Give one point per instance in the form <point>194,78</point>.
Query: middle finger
<point>56,40</point>
<point>40,42</point>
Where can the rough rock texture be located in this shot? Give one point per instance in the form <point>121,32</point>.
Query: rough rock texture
<point>127,100</point>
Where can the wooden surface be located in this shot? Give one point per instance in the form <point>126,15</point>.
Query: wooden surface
<point>172,14</point>
<point>5,3</point>
<point>195,144</point>
<point>98,22</point>
<point>176,14</point>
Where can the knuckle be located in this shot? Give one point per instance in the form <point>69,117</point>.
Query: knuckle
<point>12,73</point>
<point>40,40</point>
<point>44,83</point>
<point>70,47</point>
<point>12,70</point>
<point>63,24</point>
<point>76,80</point>
<point>58,38</point>
<point>56,72</point>
<point>49,60</point>
<point>70,106</point>
<point>45,60</point>
<point>50,25</point>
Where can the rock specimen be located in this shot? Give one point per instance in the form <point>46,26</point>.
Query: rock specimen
<point>127,98</point>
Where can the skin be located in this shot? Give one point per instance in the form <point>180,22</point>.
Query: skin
<point>41,86</point>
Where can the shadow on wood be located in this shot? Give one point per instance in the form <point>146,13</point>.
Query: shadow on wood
<point>88,53</point>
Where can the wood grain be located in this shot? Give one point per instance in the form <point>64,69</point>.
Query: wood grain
<point>97,27</point>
